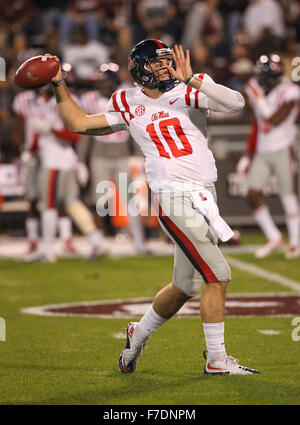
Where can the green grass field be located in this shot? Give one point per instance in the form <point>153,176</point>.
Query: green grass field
<point>73,360</point>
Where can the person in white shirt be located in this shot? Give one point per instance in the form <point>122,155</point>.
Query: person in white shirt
<point>275,103</point>
<point>27,104</point>
<point>57,181</point>
<point>85,55</point>
<point>262,14</point>
<point>23,106</point>
<point>165,114</point>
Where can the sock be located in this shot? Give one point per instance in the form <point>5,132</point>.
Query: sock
<point>291,209</point>
<point>96,239</point>
<point>65,228</point>
<point>214,337</point>
<point>150,322</point>
<point>263,218</point>
<point>49,225</point>
<point>32,228</point>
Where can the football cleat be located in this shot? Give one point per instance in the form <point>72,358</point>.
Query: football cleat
<point>226,366</point>
<point>268,248</point>
<point>133,348</point>
<point>40,257</point>
<point>292,252</point>
<point>95,253</point>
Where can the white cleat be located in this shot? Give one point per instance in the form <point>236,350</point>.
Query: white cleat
<point>227,366</point>
<point>133,349</point>
<point>292,252</point>
<point>268,248</point>
<point>40,257</point>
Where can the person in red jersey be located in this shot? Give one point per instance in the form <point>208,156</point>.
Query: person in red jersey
<point>165,113</point>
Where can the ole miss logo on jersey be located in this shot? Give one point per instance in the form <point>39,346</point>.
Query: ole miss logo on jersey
<point>140,110</point>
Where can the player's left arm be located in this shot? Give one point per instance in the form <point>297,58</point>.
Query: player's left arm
<point>256,98</point>
<point>282,113</point>
<point>220,98</point>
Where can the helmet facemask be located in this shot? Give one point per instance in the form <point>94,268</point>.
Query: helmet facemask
<point>142,72</point>
<point>163,84</point>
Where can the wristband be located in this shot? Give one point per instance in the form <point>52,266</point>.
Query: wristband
<point>57,84</point>
<point>189,79</point>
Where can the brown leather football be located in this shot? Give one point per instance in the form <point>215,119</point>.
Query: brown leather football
<point>36,72</point>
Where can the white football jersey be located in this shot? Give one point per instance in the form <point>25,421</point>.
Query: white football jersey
<point>55,153</point>
<point>92,102</point>
<point>271,138</point>
<point>171,132</point>
<point>24,105</point>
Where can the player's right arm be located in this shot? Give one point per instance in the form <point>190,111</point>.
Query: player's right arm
<point>73,116</point>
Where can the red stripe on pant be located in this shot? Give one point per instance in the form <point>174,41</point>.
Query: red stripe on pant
<point>187,246</point>
<point>51,189</point>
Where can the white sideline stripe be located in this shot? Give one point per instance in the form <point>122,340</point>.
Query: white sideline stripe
<point>257,271</point>
<point>269,332</point>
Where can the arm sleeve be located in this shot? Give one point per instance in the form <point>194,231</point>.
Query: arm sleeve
<point>221,98</point>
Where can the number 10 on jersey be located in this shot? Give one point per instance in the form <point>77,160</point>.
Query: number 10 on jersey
<point>164,129</point>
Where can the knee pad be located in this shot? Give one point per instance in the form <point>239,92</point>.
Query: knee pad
<point>81,216</point>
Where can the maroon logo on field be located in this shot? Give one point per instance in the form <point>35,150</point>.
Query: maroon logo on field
<point>140,110</point>
<point>236,305</point>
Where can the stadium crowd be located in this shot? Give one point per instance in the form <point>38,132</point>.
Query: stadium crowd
<point>92,39</point>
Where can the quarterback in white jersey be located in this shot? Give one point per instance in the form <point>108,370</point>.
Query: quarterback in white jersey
<point>177,136</point>
<point>165,114</point>
<point>275,104</point>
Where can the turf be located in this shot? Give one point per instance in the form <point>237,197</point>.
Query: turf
<point>72,360</point>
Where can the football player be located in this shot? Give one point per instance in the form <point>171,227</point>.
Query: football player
<point>58,185</point>
<point>26,104</point>
<point>275,103</point>
<point>166,115</point>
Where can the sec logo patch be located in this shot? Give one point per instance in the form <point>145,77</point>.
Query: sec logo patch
<point>140,110</point>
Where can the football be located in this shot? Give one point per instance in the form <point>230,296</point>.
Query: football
<point>36,72</point>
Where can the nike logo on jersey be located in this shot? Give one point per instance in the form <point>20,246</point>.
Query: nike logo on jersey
<point>173,101</point>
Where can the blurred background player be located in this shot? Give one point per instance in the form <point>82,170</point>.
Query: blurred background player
<point>109,156</point>
<point>26,104</point>
<point>275,103</point>
<point>58,185</point>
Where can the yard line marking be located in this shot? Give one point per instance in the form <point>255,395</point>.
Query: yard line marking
<point>257,271</point>
<point>269,332</point>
